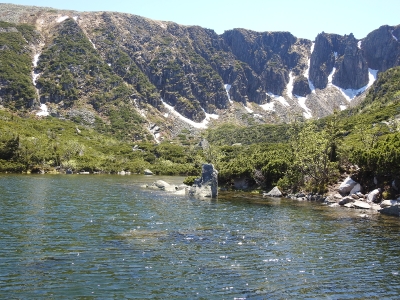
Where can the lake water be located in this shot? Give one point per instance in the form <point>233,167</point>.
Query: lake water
<point>106,237</point>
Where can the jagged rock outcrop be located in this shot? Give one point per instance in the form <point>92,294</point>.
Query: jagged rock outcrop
<point>342,53</point>
<point>351,67</point>
<point>301,86</point>
<point>382,48</point>
<point>270,55</point>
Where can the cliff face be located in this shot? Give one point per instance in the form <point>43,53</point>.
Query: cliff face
<point>382,48</point>
<point>342,56</point>
<point>102,58</point>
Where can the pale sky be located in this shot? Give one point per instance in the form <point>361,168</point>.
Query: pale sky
<point>303,18</point>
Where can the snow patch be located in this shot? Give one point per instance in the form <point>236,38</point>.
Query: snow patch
<point>343,107</point>
<point>75,18</point>
<point>248,109</point>
<point>302,102</point>
<point>307,72</point>
<point>202,125</point>
<point>336,55</point>
<point>394,36</point>
<point>268,106</point>
<point>280,99</point>
<point>44,112</point>
<point>289,86</point>
<point>227,89</point>
<point>36,60</point>
<point>94,46</point>
<point>350,94</point>
<point>62,19</point>
<point>330,77</point>
<point>359,44</point>
<point>35,75</point>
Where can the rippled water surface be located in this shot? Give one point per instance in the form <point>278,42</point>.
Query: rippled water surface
<point>106,237</point>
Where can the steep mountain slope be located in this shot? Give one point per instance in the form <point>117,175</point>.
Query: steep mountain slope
<point>125,68</point>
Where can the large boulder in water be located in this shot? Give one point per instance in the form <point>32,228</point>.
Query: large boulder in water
<point>207,185</point>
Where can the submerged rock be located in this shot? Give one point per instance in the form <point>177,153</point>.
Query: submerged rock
<point>393,210</point>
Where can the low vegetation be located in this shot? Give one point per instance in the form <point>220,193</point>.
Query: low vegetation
<point>297,156</point>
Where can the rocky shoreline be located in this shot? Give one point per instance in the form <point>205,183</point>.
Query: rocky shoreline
<point>347,194</point>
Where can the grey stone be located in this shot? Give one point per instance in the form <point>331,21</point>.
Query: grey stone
<point>346,186</point>
<point>387,203</point>
<point>374,195</point>
<point>207,185</point>
<point>346,200</point>
<point>361,204</point>
<point>162,185</point>
<point>356,189</point>
<point>275,192</point>
<point>148,172</point>
<point>391,210</point>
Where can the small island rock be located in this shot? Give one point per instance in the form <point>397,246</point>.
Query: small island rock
<point>275,192</point>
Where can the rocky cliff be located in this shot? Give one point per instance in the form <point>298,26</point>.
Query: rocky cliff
<point>103,61</point>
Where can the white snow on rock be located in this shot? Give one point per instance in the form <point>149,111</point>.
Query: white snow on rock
<point>62,19</point>
<point>307,72</point>
<point>268,106</point>
<point>94,46</point>
<point>227,89</point>
<point>359,44</point>
<point>35,75</point>
<point>302,102</point>
<point>44,112</point>
<point>75,18</point>
<point>280,99</point>
<point>36,60</point>
<point>248,109</point>
<point>343,107</point>
<point>289,87</point>
<point>394,36</point>
<point>350,94</point>
<point>330,77</point>
<point>202,125</point>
